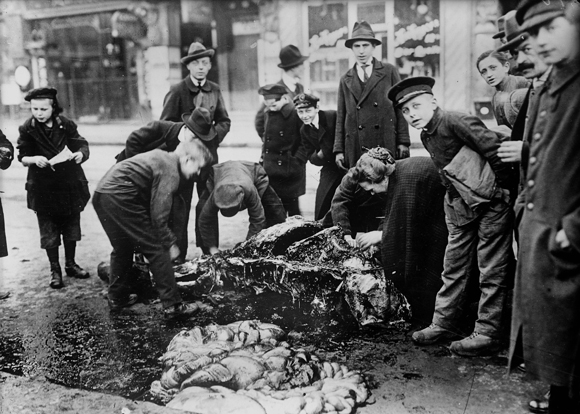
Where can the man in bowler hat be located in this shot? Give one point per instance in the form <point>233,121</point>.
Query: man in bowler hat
<point>365,116</point>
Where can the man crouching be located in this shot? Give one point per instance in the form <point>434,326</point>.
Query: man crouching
<point>133,202</point>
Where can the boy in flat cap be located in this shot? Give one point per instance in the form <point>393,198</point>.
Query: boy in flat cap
<point>56,192</point>
<point>546,316</point>
<point>480,218</point>
<point>366,118</point>
<point>318,139</point>
<point>234,186</point>
<point>133,202</point>
<point>282,147</point>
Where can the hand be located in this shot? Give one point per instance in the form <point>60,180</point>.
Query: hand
<point>213,250</point>
<point>320,154</point>
<point>562,239</point>
<point>77,157</point>
<point>174,252</point>
<point>351,242</point>
<point>510,151</point>
<point>366,240</point>
<point>403,152</point>
<point>40,161</point>
<point>339,159</point>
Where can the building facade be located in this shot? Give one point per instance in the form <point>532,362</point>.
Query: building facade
<point>114,60</point>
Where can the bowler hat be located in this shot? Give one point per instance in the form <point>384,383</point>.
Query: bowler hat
<point>290,57</point>
<point>228,197</point>
<point>408,88</point>
<point>41,93</point>
<point>196,51</point>
<point>272,91</point>
<point>305,100</point>
<point>362,31</point>
<point>513,34</point>
<point>532,13</point>
<point>200,123</point>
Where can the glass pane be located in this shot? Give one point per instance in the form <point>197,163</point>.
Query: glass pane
<point>373,13</point>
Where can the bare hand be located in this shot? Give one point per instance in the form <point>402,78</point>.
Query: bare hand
<point>320,154</point>
<point>174,252</point>
<point>351,242</point>
<point>339,159</point>
<point>41,161</point>
<point>562,239</point>
<point>366,240</point>
<point>214,250</point>
<point>77,157</point>
<point>403,152</point>
<point>510,151</point>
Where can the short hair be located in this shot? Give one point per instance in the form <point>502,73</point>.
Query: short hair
<point>196,148</point>
<point>500,56</point>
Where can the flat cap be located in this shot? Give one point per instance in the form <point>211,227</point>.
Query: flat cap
<point>41,93</point>
<point>305,100</point>
<point>532,13</point>
<point>409,88</point>
<point>228,196</point>
<point>272,91</point>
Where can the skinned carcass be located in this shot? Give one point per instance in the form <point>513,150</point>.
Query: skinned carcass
<point>301,259</point>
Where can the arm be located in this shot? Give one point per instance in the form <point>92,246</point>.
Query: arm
<point>27,151</point>
<point>144,139</point>
<point>208,221</point>
<point>401,127</point>
<point>221,118</point>
<point>77,144</point>
<point>260,121</point>
<point>164,186</point>
<point>343,197</point>
<point>171,106</point>
<point>340,117</point>
<point>6,152</point>
<point>255,212</point>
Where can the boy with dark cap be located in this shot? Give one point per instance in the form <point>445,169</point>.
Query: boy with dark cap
<point>478,218</point>
<point>234,186</point>
<point>546,317</point>
<point>365,117</point>
<point>318,139</point>
<point>133,202</point>
<point>282,156</point>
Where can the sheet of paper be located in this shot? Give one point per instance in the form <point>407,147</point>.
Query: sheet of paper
<point>63,156</point>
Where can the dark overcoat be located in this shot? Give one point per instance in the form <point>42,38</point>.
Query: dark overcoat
<point>4,164</point>
<point>366,117</point>
<point>281,147</point>
<point>162,135</point>
<point>322,139</point>
<point>65,190</point>
<point>259,120</point>
<point>546,314</point>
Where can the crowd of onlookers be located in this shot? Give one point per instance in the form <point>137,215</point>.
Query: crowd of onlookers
<point>503,192</point>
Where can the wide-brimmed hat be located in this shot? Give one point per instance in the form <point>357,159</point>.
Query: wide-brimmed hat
<point>362,31</point>
<point>197,51</point>
<point>200,123</point>
<point>532,13</point>
<point>290,57</point>
<point>513,34</point>
<point>41,93</point>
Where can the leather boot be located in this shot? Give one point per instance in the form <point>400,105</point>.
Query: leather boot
<point>74,270</point>
<point>55,276</point>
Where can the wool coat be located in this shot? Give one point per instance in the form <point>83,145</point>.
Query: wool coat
<point>282,152</point>
<point>546,312</point>
<point>322,139</point>
<point>366,117</point>
<point>64,190</point>
<point>5,162</point>
<point>259,120</point>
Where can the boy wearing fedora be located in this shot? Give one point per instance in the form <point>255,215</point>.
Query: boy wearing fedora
<point>166,135</point>
<point>282,147</point>
<point>234,186</point>
<point>133,202</point>
<point>317,135</point>
<point>365,117</point>
<point>292,65</point>
<point>480,224</point>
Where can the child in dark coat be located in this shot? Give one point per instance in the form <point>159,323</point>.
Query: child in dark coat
<point>57,192</point>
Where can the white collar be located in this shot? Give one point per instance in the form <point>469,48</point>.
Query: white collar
<point>196,82</point>
<point>316,121</point>
<point>369,69</point>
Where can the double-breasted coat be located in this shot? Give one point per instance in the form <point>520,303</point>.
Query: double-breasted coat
<point>322,139</point>
<point>546,314</point>
<point>366,117</point>
<point>64,190</point>
<point>281,147</point>
<point>5,162</point>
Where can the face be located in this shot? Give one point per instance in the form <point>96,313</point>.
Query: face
<point>185,135</point>
<point>307,115</point>
<point>199,68</point>
<point>375,188</point>
<point>493,71</point>
<point>556,41</point>
<point>189,166</point>
<point>528,62</point>
<point>41,109</point>
<point>419,111</point>
<point>363,51</point>
<point>297,72</point>
<point>275,104</point>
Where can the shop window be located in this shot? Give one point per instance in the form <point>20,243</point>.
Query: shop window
<point>373,13</point>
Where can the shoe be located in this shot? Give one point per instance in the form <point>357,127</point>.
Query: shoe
<point>540,405</point>
<point>115,305</point>
<point>432,334</point>
<point>4,295</point>
<point>475,345</point>
<point>56,276</point>
<point>521,367</point>
<point>74,270</point>
<point>181,310</point>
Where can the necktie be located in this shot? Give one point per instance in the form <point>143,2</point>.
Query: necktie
<point>365,74</point>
